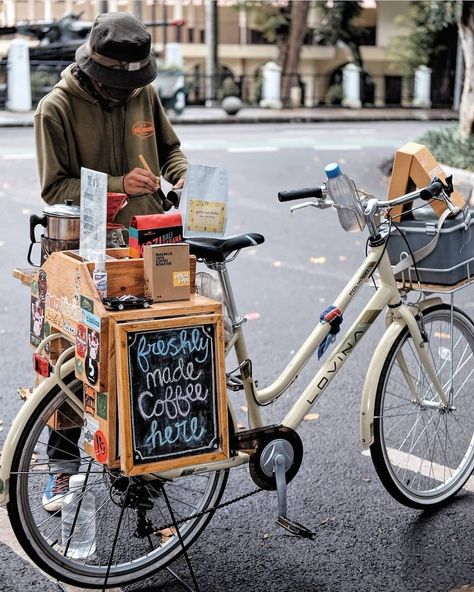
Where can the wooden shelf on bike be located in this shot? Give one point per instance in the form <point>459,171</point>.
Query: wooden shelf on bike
<point>25,275</point>
<point>435,288</point>
<point>64,300</point>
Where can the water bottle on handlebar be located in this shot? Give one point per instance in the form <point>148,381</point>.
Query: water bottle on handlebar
<point>343,192</point>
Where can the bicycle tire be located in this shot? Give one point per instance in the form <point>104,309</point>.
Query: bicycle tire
<point>424,454</point>
<point>133,560</point>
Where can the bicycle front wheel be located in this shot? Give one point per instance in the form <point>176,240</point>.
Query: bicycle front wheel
<point>423,451</point>
<point>134,536</point>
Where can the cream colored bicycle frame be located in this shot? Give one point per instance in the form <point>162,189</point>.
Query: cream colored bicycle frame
<point>398,317</point>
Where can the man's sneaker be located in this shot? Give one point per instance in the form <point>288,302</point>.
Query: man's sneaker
<point>56,488</point>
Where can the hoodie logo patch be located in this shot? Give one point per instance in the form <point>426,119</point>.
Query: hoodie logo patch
<point>143,129</point>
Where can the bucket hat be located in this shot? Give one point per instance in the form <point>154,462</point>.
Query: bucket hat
<point>117,53</point>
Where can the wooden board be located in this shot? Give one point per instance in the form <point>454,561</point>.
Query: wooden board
<point>171,393</point>
<point>25,275</point>
<point>64,300</point>
<point>435,288</point>
<point>415,167</point>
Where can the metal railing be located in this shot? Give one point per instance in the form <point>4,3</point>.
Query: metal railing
<point>320,90</point>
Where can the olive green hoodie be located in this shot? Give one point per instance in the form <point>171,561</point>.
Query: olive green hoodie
<point>72,130</point>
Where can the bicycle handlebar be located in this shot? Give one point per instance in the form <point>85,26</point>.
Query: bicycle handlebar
<point>305,193</point>
<point>371,205</point>
<point>433,190</point>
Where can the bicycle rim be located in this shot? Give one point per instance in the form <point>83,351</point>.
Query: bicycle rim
<point>424,452</point>
<point>137,550</point>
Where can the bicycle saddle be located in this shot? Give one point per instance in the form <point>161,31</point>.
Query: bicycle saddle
<point>216,250</point>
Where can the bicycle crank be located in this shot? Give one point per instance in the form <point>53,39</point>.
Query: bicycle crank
<point>276,453</point>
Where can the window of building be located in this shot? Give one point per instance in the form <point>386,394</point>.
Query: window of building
<point>257,38</point>
<point>190,35</point>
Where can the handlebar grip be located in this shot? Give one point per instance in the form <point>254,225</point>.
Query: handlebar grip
<point>305,193</point>
<point>432,190</point>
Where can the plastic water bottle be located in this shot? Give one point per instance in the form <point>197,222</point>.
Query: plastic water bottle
<point>99,276</point>
<point>82,541</point>
<point>343,192</point>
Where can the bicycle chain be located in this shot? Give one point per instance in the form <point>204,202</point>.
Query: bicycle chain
<point>204,512</point>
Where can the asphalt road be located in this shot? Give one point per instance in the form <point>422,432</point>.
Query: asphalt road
<point>365,541</point>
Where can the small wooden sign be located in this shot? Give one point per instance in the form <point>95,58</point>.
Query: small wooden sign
<point>172,393</point>
<point>415,167</point>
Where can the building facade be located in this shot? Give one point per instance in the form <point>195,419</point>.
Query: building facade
<point>242,50</point>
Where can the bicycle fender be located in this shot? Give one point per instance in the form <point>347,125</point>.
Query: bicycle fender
<point>19,424</point>
<point>374,371</point>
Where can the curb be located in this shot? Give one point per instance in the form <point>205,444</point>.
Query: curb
<point>10,119</point>
<point>232,119</point>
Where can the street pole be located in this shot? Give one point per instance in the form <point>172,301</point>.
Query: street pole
<point>211,56</point>
<point>104,6</point>
<point>458,77</point>
<point>165,29</point>
<point>138,10</point>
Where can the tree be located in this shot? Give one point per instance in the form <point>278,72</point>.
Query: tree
<point>466,33</point>
<point>286,26</point>
<point>431,25</point>
<point>338,23</point>
<point>297,32</point>
<point>431,41</point>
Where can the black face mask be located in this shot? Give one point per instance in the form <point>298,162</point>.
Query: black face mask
<point>115,96</point>
<point>108,96</point>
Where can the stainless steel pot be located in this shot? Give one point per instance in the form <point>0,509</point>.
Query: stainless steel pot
<point>61,222</point>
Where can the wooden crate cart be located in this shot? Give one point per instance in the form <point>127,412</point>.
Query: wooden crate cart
<point>154,378</point>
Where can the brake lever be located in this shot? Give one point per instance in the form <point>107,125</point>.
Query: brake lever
<point>320,205</point>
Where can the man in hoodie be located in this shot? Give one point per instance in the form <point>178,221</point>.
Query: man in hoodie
<point>102,115</point>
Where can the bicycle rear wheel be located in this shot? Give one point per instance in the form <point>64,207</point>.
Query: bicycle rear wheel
<point>422,451</point>
<point>144,541</point>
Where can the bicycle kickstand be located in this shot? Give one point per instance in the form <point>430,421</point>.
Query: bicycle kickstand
<point>279,468</point>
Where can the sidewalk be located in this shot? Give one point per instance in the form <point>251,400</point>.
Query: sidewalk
<point>216,115</point>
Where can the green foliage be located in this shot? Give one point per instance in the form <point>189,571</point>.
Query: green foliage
<point>427,21</point>
<point>228,89</point>
<point>448,148</point>
<point>334,95</point>
<point>339,23</point>
<point>272,21</point>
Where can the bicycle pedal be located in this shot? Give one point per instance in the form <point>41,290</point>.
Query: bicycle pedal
<point>295,528</point>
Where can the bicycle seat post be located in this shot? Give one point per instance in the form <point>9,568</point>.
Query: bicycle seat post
<point>221,269</point>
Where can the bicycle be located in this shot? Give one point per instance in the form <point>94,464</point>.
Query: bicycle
<point>420,435</point>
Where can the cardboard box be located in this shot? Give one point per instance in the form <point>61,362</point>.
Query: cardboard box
<point>154,229</point>
<point>166,272</point>
<point>413,168</point>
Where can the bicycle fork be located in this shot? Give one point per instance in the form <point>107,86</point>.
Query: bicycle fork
<point>421,341</point>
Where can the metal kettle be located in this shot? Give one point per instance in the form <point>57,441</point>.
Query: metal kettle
<point>61,223</point>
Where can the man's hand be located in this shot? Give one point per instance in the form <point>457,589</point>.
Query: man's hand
<point>140,181</point>
<point>179,184</point>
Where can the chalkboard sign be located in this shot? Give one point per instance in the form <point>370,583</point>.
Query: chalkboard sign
<point>172,393</point>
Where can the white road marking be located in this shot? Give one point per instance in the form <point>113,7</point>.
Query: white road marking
<point>253,149</point>
<point>27,156</point>
<point>337,147</point>
<point>427,469</point>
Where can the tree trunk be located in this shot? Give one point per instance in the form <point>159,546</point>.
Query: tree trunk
<point>466,33</point>
<point>291,62</point>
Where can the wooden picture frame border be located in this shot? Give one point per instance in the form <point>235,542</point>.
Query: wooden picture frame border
<point>123,394</point>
